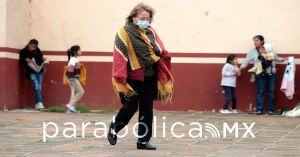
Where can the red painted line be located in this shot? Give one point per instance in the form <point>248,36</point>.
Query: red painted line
<point>173,54</point>
<point>8,49</point>
<point>85,53</point>
<point>218,55</point>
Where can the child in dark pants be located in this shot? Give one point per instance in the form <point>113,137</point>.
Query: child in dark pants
<point>229,73</point>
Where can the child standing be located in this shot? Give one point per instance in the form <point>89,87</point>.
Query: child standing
<point>73,74</point>
<point>229,73</point>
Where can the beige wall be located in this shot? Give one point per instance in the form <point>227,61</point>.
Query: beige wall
<point>2,22</point>
<point>184,25</point>
<point>14,23</point>
<point>18,23</point>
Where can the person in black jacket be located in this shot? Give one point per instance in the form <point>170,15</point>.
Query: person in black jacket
<point>32,59</point>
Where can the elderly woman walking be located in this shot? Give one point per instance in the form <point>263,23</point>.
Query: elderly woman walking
<point>141,74</point>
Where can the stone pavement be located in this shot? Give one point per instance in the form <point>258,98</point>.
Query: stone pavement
<point>21,134</point>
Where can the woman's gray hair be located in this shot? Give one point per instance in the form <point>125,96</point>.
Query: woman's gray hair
<point>137,9</point>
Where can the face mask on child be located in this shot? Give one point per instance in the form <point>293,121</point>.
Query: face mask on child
<point>143,24</point>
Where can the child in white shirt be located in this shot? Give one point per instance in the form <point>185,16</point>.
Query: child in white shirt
<point>73,74</point>
<point>229,73</point>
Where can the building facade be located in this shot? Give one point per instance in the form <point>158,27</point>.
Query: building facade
<point>199,34</point>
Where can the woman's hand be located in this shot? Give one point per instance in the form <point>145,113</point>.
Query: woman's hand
<point>46,61</point>
<point>28,60</point>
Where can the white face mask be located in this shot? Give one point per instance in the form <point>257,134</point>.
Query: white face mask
<point>143,24</point>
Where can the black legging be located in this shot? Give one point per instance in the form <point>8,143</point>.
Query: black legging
<point>146,91</point>
<point>230,96</point>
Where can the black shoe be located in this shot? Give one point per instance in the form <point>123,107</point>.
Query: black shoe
<point>260,113</point>
<point>145,145</point>
<point>112,136</point>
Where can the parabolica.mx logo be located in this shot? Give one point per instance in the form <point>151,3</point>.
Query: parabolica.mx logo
<point>195,129</point>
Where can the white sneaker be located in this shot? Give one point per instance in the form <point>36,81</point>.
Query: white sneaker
<point>39,106</point>
<point>225,111</point>
<point>234,111</point>
<point>71,108</point>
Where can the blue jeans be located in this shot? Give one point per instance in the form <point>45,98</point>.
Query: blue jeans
<point>37,80</point>
<point>265,83</point>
